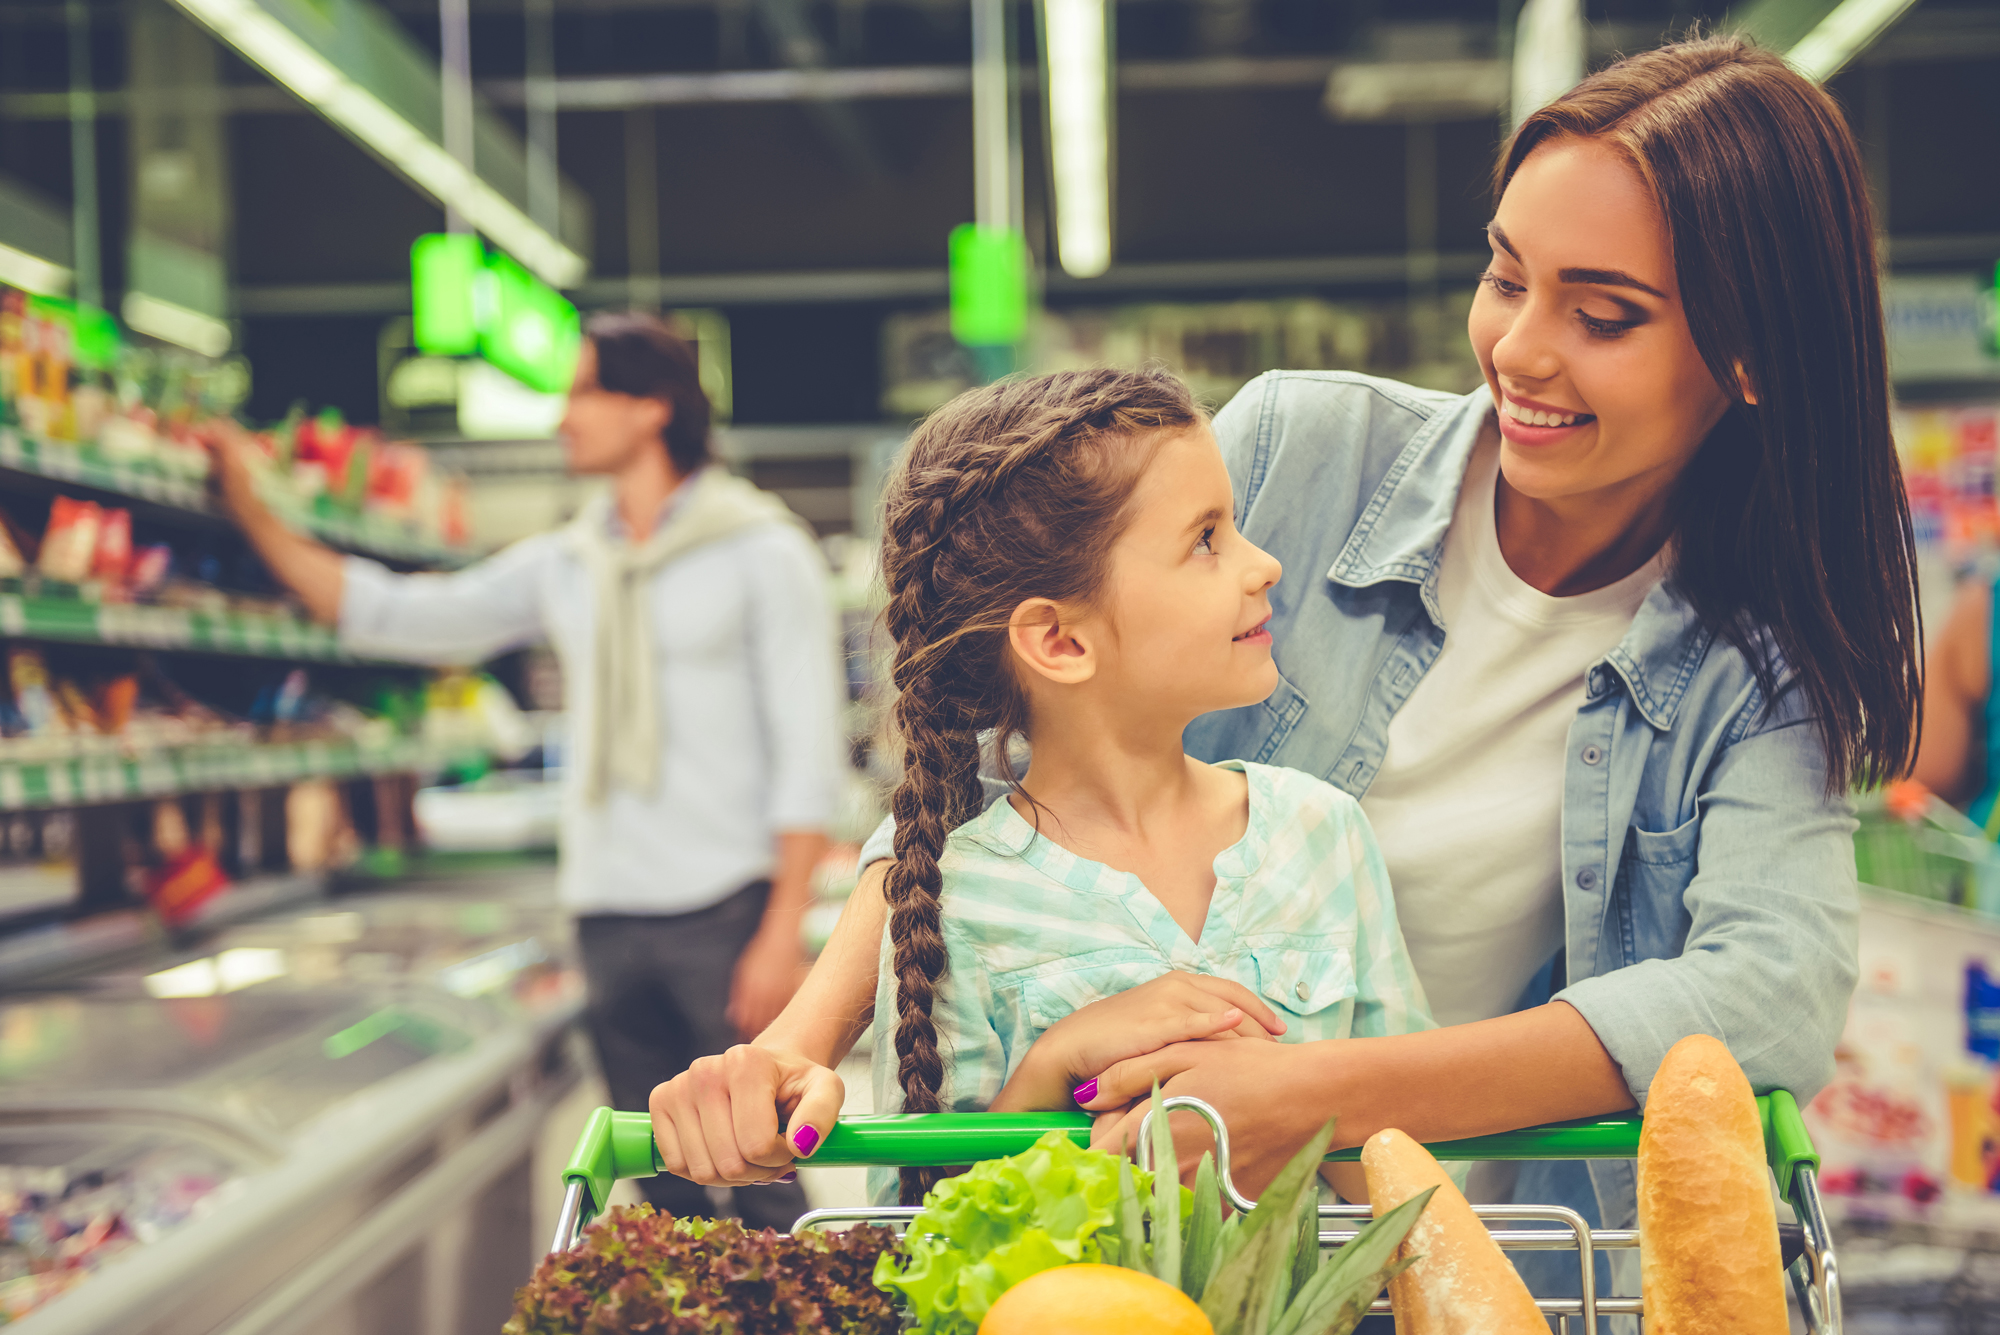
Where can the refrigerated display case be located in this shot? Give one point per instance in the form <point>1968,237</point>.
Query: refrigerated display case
<point>318,1121</point>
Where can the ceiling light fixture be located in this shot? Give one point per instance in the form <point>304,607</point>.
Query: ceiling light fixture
<point>32,273</point>
<point>1079,65</point>
<point>176,324</point>
<point>1851,28</point>
<point>286,57</point>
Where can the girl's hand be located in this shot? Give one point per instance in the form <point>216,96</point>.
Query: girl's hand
<point>1060,1070</point>
<point>718,1122</point>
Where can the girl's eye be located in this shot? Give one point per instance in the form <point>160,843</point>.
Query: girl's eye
<point>1606,328</point>
<point>1205,545</point>
<point>1501,285</point>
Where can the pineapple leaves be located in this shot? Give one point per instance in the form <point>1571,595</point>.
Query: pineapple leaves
<point>1131,1226</point>
<point>1305,1251</point>
<point>1239,1298</point>
<point>1337,1297</point>
<point>1259,1273</point>
<point>1167,1198</point>
<point>1339,1313</point>
<point>1204,1233</point>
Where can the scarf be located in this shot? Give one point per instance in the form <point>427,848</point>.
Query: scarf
<point>622,738</point>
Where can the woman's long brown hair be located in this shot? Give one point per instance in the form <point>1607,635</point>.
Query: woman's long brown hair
<point>1793,536</point>
<point>1007,493</point>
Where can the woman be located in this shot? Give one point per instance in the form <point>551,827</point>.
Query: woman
<point>1601,646</point>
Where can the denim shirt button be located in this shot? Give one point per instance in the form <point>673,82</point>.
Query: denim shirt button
<point>1587,879</point>
<point>1591,755</point>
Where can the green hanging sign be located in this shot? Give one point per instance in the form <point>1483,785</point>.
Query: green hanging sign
<point>465,300</point>
<point>444,270</point>
<point>989,286</point>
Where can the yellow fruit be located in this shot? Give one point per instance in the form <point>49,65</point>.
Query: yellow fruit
<point>1094,1300</point>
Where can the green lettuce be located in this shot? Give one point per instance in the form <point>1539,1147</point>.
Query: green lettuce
<point>991,1227</point>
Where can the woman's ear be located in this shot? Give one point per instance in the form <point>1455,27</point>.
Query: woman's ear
<point>1043,637</point>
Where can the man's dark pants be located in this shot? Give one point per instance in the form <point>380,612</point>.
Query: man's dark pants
<point>659,993</point>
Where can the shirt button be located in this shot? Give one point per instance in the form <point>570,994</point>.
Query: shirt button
<point>1587,879</point>
<point>1591,755</point>
<point>1301,991</point>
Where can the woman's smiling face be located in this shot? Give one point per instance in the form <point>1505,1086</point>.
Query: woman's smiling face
<point>1579,329</point>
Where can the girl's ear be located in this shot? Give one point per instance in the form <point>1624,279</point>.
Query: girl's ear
<point>1043,637</point>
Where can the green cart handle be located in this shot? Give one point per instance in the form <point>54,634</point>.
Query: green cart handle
<point>617,1145</point>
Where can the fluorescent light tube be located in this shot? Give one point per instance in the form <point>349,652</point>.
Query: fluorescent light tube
<point>32,273</point>
<point>177,324</point>
<point>289,60</point>
<point>1080,132</point>
<point>1849,29</point>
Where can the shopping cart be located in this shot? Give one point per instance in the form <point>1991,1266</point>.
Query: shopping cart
<point>617,1145</point>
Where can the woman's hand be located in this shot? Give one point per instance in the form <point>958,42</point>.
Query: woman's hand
<point>1061,1068</point>
<point>717,1123</point>
<point>1544,1064</point>
<point>1255,1086</point>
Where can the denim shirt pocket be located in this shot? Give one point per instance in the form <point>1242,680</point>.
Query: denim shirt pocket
<point>1654,872</point>
<point>1313,983</point>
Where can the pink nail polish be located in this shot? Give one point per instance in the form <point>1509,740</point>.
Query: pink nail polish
<point>1085,1092</point>
<point>805,1140</point>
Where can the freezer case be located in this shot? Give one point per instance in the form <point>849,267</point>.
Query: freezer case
<point>317,1123</point>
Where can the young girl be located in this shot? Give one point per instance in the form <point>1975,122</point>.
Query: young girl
<point>1062,566</point>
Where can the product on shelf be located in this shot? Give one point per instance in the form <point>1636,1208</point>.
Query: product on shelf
<point>1948,467</point>
<point>80,395</point>
<point>62,1222</point>
<point>69,544</point>
<point>48,714</point>
<point>323,465</point>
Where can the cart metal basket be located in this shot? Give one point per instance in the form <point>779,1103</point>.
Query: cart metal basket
<point>618,1145</point>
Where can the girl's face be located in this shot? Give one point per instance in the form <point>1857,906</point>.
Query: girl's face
<point>1580,331</point>
<point>1182,624</point>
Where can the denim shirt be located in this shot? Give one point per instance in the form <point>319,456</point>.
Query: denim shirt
<point>1708,880</point>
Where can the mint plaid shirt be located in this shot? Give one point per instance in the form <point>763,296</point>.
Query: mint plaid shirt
<point>1301,915</point>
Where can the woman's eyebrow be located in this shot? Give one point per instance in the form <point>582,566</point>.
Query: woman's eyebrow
<point>1608,278</point>
<point>1592,277</point>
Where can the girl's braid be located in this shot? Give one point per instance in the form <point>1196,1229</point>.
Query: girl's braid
<point>996,501</point>
<point>939,725</point>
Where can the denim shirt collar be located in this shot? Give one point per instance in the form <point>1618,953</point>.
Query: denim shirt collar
<point>1401,533</point>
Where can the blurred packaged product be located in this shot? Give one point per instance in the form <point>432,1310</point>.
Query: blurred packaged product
<point>65,1219</point>
<point>90,398</point>
<point>1947,452</point>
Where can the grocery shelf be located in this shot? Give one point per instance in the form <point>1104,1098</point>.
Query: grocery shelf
<point>80,621</point>
<point>86,466</point>
<point>206,767</point>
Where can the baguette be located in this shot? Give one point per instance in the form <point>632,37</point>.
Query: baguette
<point>1463,1285</point>
<point>1708,1232</point>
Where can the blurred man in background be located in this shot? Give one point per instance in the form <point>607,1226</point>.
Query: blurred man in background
<point>690,614</point>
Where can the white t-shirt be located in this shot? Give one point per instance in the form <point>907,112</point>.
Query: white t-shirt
<point>1467,807</point>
